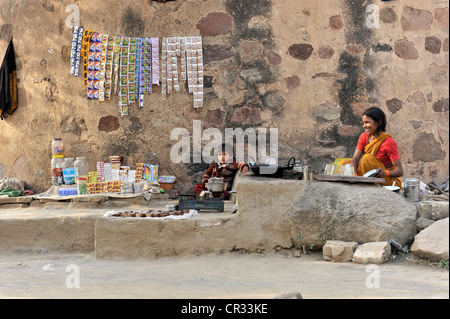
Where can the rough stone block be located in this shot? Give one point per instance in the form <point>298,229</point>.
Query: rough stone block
<point>337,250</point>
<point>433,242</point>
<point>433,210</point>
<point>372,253</point>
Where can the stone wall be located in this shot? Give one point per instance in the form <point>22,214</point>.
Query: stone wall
<point>308,68</point>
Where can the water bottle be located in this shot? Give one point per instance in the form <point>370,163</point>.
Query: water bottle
<point>69,171</point>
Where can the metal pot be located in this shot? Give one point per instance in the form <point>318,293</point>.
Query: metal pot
<point>215,187</point>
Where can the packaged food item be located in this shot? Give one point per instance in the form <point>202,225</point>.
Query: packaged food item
<point>81,185</point>
<point>92,177</point>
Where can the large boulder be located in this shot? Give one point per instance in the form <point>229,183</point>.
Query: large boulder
<point>433,242</point>
<point>352,212</point>
<point>293,213</point>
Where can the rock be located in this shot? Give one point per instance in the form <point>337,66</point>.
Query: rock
<point>406,50</point>
<point>349,130</point>
<point>355,49</point>
<point>336,23</point>
<point>432,242</point>
<point>438,73</point>
<point>301,51</point>
<point>250,50</point>
<point>291,295</point>
<point>445,45</point>
<point>423,223</point>
<point>109,124</point>
<point>273,58</point>
<point>427,149</point>
<point>433,210</point>
<point>433,44</point>
<point>337,250</point>
<point>217,52</point>
<point>360,107</point>
<point>352,212</point>
<point>327,112</point>
<point>292,82</point>
<point>441,15</point>
<point>394,105</point>
<point>215,23</point>
<point>214,118</point>
<point>252,75</point>
<point>388,15</point>
<point>441,105</point>
<point>416,19</point>
<point>325,52</point>
<point>247,115</point>
<point>372,253</point>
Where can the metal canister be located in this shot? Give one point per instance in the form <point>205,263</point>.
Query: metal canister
<point>412,189</point>
<point>305,172</point>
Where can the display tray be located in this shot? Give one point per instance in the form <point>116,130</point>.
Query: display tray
<point>350,179</point>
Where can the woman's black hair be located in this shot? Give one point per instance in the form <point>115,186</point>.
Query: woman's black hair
<point>376,114</point>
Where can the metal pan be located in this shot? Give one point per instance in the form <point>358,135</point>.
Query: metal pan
<point>272,170</point>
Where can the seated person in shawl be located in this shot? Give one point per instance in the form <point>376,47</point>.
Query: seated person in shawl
<point>377,149</point>
<point>225,167</point>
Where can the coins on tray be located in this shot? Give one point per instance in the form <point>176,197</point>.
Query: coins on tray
<point>150,213</point>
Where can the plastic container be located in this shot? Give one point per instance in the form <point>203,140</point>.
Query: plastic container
<point>57,147</point>
<point>81,167</point>
<point>412,189</point>
<point>69,171</point>
<point>57,170</point>
<point>82,185</point>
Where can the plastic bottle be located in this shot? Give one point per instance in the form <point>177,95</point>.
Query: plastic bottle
<point>57,169</point>
<point>81,167</point>
<point>69,171</point>
<point>57,147</point>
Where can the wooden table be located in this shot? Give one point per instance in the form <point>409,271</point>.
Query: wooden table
<point>349,179</point>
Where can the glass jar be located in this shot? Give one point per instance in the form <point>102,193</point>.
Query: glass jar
<point>69,171</point>
<point>81,167</point>
<point>57,147</point>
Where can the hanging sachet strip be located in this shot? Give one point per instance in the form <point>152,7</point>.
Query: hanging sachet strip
<point>94,66</point>
<point>116,63</point>
<point>109,67</point>
<point>131,72</point>
<point>123,82</point>
<point>198,90</point>
<point>85,54</point>
<point>137,73</point>
<point>164,69</point>
<point>183,75</point>
<point>155,61</point>
<point>146,67</point>
<point>102,78</point>
<point>75,52</point>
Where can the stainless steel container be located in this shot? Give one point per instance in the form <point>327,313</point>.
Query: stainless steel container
<point>412,189</point>
<point>306,173</point>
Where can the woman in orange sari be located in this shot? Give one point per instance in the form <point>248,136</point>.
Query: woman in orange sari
<point>377,149</point>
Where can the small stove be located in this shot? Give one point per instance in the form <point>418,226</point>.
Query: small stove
<point>205,201</point>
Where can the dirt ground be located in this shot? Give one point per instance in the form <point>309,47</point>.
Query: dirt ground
<point>43,275</point>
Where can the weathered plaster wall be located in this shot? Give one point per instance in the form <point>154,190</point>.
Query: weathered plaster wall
<point>308,68</point>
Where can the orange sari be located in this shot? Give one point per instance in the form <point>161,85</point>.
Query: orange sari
<point>369,161</point>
